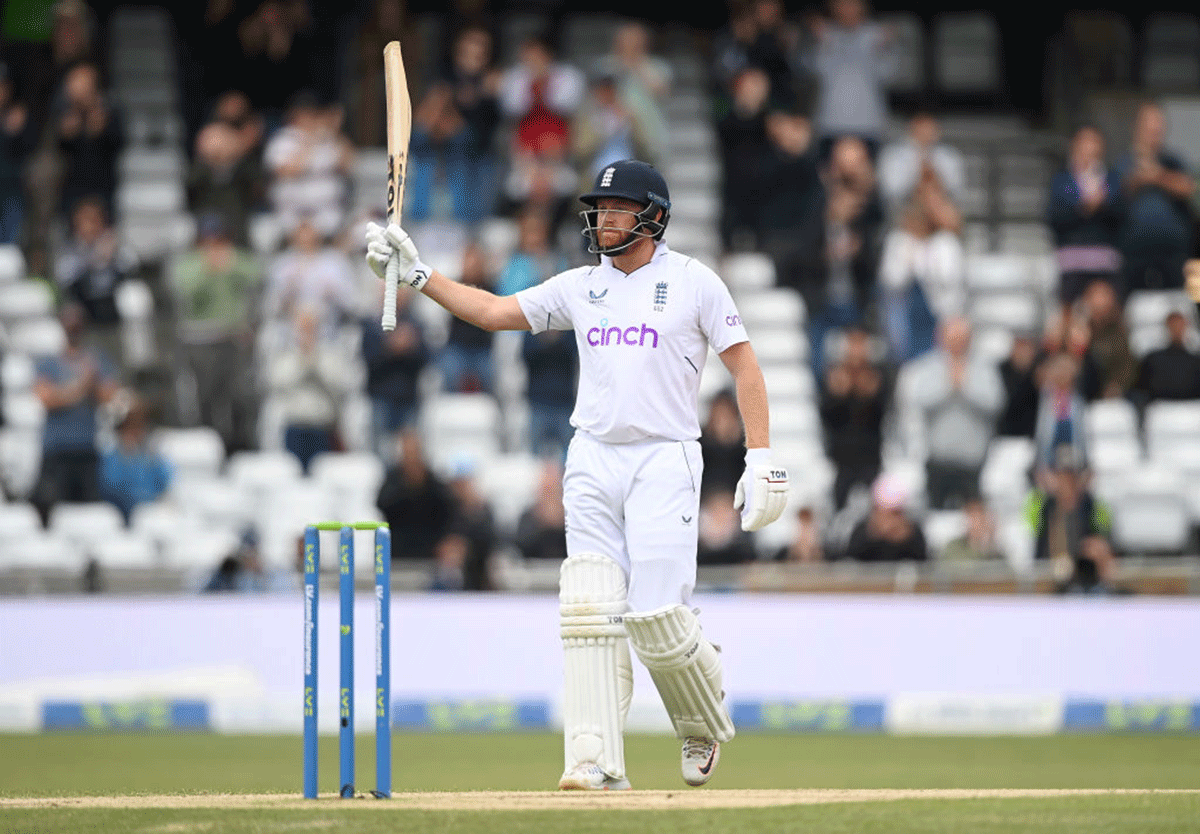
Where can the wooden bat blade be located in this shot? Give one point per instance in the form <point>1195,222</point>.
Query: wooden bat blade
<point>399,128</point>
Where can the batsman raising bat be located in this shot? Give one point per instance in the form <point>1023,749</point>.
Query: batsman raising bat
<point>644,318</point>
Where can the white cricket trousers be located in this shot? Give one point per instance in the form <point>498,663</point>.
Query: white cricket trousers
<point>638,504</point>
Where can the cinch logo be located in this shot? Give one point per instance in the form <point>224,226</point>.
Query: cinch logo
<point>603,336</point>
<point>733,321</point>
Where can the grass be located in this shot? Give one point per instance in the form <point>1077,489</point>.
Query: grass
<point>70,764</point>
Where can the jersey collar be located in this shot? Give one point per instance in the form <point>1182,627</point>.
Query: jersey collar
<point>660,250</point>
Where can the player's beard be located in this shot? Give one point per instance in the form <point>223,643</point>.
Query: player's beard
<point>621,246</point>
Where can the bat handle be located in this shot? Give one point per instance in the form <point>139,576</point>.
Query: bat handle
<point>391,280</point>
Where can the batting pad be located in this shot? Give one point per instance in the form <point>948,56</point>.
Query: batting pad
<point>685,667</point>
<point>597,670</point>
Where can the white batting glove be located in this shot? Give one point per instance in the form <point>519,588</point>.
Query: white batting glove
<point>762,492</point>
<point>382,243</point>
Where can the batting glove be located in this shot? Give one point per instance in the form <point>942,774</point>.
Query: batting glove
<point>383,243</point>
<point>762,492</point>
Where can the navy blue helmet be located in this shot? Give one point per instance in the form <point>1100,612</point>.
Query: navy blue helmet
<point>633,180</point>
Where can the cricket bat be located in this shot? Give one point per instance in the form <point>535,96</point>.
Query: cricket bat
<point>399,128</point>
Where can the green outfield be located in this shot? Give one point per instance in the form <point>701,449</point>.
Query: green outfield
<point>127,778</point>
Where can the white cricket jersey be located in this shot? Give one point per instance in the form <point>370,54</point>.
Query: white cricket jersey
<point>643,339</point>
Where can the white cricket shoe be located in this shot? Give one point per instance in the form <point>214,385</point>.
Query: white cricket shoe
<point>700,757</point>
<point>591,777</point>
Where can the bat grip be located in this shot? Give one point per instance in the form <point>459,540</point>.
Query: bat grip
<point>391,280</point>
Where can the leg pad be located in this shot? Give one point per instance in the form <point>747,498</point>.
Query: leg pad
<point>685,667</point>
<point>597,670</point>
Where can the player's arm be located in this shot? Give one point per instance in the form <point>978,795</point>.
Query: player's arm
<point>751,392</point>
<point>762,490</point>
<point>479,307</point>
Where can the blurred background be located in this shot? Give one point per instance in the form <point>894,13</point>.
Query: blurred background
<point>959,240</point>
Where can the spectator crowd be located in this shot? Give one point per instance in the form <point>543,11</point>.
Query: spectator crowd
<point>866,226</point>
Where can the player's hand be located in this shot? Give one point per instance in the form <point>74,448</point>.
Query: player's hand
<point>762,492</point>
<point>383,243</point>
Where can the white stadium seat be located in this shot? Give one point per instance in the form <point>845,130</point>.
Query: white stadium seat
<point>1114,453</point>
<point>162,522</point>
<point>1167,424</point>
<point>1111,418</point>
<point>795,421</point>
<point>196,452</point>
<point>455,426</point>
<point>43,551</point>
<point>17,372</point>
<point>12,263</point>
<point>151,197</point>
<point>20,458</point>
<point>264,471</point>
<point>1150,513</point>
<point>1004,480</point>
<point>748,271</point>
<point>141,163</point>
<point>794,383</point>
<point>18,520</point>
<point>27,299</point>
<point>85,523</point>
<point>942,527</point>
<point>782,347</point>
<point>358,473</point>
<point>966,47</point>
<point>509,483</point>
<point>201,550</point>
<point>24,410</point>
<point>770,309</point>
<point>41,336</point>
<point>1018,312</point>
<point>126,550</point>
<point>1149,308</point>
<point>215,501</point>
<point>996,273</point>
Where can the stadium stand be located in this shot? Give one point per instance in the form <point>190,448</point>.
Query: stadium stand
<point>1145,465</point>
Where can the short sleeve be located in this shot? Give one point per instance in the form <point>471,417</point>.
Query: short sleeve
<point>545,305</point>
<point>719,318</point>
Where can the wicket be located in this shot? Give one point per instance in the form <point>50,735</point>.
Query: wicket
<point>383,675</point>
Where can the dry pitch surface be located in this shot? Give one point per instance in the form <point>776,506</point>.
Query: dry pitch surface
<point>553,800</point>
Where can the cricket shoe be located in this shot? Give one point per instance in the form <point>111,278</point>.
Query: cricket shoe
<point>700,757</point>
<point>591,777</point>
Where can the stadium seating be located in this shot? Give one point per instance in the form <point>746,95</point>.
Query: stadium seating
<point>509,482</point>
<point>942,527</point>
<point>25,299</point>
<point>196,452</point>
<point>40,336</point>
<point>12,263</point>
<point>348,472</point>
<point>455,426</point>
<point>1010,278</point>
<point>1150,513</point>
<point>125,550</point>
<point>748,272</point>
<point>966,52</point>
<point>44,552</point>
<point>1170,52</point>
<point>1169,425</point>
<point>771,309</point>
<point>17,520</point>
<point>909,48</point>
<point>85,524</point>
